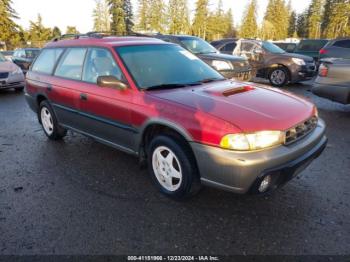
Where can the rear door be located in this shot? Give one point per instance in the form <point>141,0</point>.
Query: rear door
<point>105,112</point>
<point>40,81</point>
<point>64,89</point>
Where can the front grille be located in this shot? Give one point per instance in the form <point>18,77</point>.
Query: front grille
<point>299,131</point>
<point>4,74</point>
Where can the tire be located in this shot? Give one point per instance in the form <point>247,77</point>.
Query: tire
<point>172,167</point>
<point>49,122</point>
<point>19,89</point>
<point>279,76</point>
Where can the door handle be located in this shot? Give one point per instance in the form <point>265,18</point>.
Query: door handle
<point>49,88</point>
<point>84,97</point>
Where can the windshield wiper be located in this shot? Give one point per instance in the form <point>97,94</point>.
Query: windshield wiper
<point>166,86</point>
<point>209,80</point>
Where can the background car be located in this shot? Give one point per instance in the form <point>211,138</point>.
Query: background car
<point>230,66</point>
<point>7,54</point>
<point>288,47</point>
<point>333,81</point>
<point>338,48</point>
<point>225,46</point>
<point>273,63</point>
<point>24,57</point>
<point>11,75</point>
<point>311,47</point>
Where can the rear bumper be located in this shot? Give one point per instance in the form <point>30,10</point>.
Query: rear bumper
<point>336,93</point>
<point>241,172</point>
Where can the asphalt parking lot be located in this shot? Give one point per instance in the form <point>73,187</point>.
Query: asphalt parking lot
<point>80,197</point>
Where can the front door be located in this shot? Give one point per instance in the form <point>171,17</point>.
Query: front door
<point>105,112</point>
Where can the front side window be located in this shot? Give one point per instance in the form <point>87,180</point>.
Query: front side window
<point>272,48</point>
<point>159,65</point>
<point>71,65</point>
<point>99,62</point>
<point>229,47</point>
<point>197,45</point>
<point>47,60</point>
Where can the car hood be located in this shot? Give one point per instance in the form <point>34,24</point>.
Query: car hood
<point>251,108</point>
<point>304,57</point>
<point>219,56</point>
<point>7,66</point>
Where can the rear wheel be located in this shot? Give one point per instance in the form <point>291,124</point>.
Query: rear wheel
<point>279,77</point>
<point>172,167</point>
<point>49,122</point>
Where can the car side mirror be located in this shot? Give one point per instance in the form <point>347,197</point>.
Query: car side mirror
<point>111,82</point>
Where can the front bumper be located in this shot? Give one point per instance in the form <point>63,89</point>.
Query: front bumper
<point>241,172</point>
<point>244,74</point>
<point>305,72</point>
<point>12,81</point>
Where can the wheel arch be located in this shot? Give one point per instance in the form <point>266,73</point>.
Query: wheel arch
<point>156,127</point>
<point>278,65</point>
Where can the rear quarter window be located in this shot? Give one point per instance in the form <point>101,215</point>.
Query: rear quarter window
<point>342,43</point>
<point>47,60</point>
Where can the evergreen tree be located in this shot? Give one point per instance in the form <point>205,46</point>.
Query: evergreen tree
<point>339,19</point>
<point>56,32</point>
<point>157,17</point>
<point>277,13</point>
<point>127,7</point>
<point>72,30</point>
<point>326,15</point>
<point>101,16</point>
<point>199,27</point>
<point>231,31</point>
<point>38,34</point>
<point>118,24</point>
<point>292,27</point>
<point>302,25</point>
<point>178,17</point>
<point>249,28</point>
<point>314,19</point>
<point>143,14</point>
<point>9,29</point>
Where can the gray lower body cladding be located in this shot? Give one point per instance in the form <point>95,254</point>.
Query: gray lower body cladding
<point>238,171</point>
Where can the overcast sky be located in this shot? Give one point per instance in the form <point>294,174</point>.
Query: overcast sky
<point>63,13</point>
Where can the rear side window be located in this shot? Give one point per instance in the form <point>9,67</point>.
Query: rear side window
<point>342,43</point>
<point>100,62</point>
<point>71,64</point>
<point>229,47</point>
<point>46,61</point>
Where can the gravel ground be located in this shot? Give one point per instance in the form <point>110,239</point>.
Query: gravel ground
<point>80,197</point>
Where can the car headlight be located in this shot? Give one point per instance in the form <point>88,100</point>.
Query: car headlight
<point>298,61</point>
<point>222,65</point>
<point>252,141</point>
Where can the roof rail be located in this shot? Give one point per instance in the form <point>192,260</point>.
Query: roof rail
<point>95,34</point>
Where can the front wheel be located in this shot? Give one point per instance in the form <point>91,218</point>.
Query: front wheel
<point>172,167</point>
<point>49,122</point>
<point>278,77</point>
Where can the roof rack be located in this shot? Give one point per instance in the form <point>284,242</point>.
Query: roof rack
<point>94,35</point>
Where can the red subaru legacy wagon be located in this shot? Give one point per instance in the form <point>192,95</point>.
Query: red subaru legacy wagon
<point>161,103</point>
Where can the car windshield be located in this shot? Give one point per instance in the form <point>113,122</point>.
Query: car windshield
<point>272,48</point>
<point>2,58</point>
<point>32,53</point>
<point>197,45</point>
<point>165,66</point>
